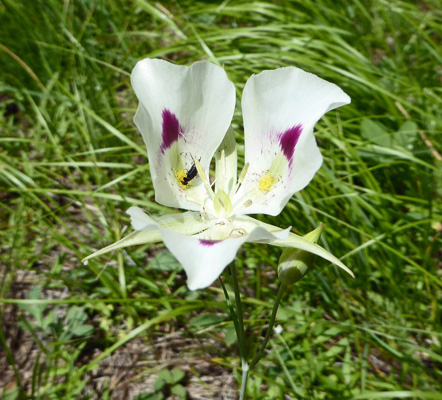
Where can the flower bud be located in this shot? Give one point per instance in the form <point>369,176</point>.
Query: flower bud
<point>294,263</point>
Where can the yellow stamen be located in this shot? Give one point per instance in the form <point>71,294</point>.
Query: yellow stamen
<point>266,182</point>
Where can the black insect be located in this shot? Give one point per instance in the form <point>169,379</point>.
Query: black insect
<point>191,173</point>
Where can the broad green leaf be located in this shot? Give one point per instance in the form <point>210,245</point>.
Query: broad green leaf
<point>179,390</point>
<point>83,330</point>
<point>375,132</point>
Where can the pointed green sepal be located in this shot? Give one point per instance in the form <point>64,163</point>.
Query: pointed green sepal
<point>294,263</point>
<point>137,237</point>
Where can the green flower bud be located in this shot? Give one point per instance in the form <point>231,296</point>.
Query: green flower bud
<point>294,263</point>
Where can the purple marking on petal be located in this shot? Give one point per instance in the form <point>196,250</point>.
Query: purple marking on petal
<point>209,243</point>
<point>171,129</point>
<point>288,141</point>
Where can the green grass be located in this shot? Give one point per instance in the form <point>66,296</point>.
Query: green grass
<point>72,162</point>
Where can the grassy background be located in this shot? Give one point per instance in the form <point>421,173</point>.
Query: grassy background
<point>72,162</point>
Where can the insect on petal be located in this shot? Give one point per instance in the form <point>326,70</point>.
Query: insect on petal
<point>183,115</point>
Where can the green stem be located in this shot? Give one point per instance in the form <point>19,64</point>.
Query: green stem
<point>241,336</point>
<point>232,315</point>
<point>270,327</point>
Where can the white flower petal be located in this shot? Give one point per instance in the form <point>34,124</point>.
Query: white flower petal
<point>139,219</point>
<point>250,223</point>
<point>280,109</point>
<point>147,229</point>
<point>183,115</point>
<point>205,260</point>
<point>188,223</point>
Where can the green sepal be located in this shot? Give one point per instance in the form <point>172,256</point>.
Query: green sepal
<point>295,263</point>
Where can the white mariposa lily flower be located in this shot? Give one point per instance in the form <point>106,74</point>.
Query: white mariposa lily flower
<point>184,116</point>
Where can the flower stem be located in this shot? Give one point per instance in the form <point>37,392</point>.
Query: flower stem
<point>260,353</point>
<point>241,331</point>
<point>232,315</point>
<point>241,336</point>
